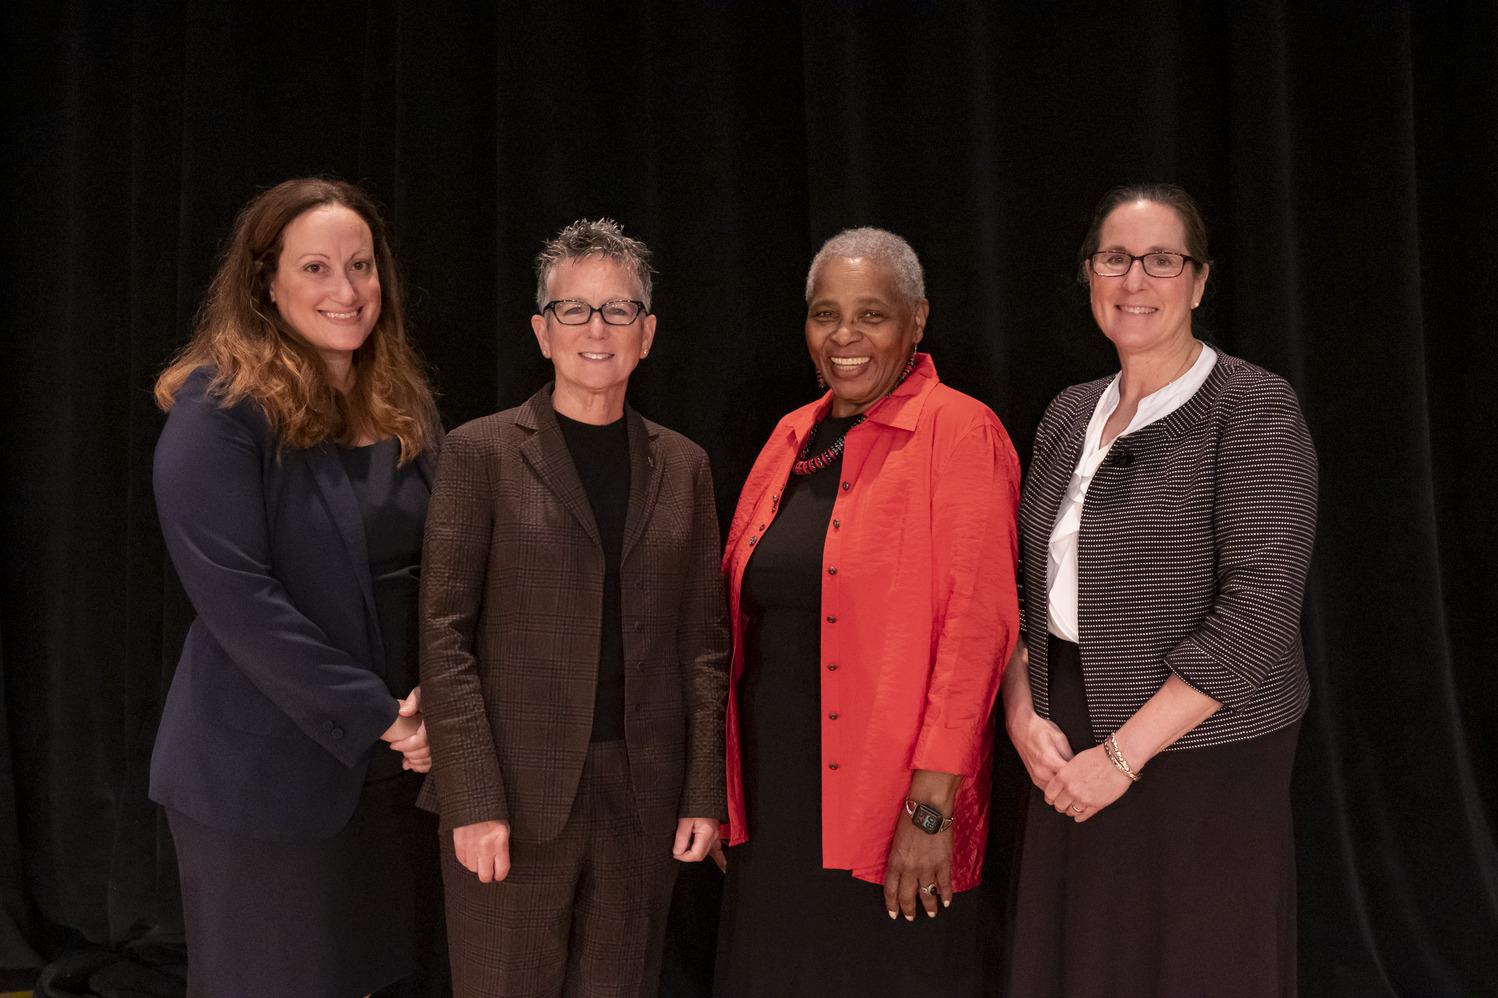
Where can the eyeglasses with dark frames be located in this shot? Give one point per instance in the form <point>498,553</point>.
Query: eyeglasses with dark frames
<point>1116,263</point>
<point>571,312</point>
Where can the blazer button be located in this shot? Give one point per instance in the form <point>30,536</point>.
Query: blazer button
<point>753,539</point>
<point>832,765</point>
<point>831,667</point>
<point>337,733</point>
<point>831,620</point>
<point>847,486</point>
<point>761,526</point>
<point>836,524</point>
<point>832,717</point>
<point>831,569</point>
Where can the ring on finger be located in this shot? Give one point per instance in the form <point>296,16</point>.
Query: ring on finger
<point>933,890</point>
<point>1077,808</point>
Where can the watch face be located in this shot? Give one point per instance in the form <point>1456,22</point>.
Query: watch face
<point>927,819</point>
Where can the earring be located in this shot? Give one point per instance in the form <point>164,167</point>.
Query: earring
<point>821,382</point>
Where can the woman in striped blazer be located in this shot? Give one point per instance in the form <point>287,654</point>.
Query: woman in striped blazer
<point>1165,532</point>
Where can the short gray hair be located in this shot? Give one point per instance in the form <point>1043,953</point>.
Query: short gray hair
<point>584,238</point>
<point>873,244</point>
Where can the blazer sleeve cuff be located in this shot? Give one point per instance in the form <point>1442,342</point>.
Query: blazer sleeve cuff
<point>1208,676</point>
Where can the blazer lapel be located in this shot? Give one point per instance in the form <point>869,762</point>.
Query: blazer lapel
<point>545,450</point>
<point>332,481</point>
<point>1069,452</point>
<point>645,473</point>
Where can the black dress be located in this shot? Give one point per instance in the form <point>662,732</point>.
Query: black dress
<point>361,911</point>
<point>1185,885</point>
<point>788,926</point>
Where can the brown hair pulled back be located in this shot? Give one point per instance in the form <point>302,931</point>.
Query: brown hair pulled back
<point>257,354</point>
<point>1170,196</point>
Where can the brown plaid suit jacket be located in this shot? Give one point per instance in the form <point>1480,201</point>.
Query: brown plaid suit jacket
<point>511,597</point>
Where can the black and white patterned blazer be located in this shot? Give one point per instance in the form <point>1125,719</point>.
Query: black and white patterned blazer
<point>1195,540</point>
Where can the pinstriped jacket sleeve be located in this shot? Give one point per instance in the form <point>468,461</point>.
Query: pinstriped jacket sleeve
<point>465,766</point>
<point>1264,517</point>
<point>702,642</point>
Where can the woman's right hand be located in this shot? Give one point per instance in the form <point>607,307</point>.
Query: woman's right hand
<point>1042,746</point>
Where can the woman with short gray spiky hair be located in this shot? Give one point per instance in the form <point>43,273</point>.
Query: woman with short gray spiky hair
<point>574,652</point>
<point>870,570</point>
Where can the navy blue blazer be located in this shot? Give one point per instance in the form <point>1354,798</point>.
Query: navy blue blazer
<point>276,705</point>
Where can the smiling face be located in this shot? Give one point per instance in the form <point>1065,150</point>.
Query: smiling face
<point>860,331</point>
<point>1139,313</point>
<point>326,286</point>
<point>593,361</point>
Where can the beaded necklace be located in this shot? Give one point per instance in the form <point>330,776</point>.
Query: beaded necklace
<point>808,465</point>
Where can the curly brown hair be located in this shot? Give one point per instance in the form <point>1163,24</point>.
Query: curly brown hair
<point>256,353</point>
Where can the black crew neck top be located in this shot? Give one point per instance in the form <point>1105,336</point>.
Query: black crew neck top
<point>601,456</point>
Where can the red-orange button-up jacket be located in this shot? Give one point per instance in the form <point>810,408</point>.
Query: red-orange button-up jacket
<point>918,619</point>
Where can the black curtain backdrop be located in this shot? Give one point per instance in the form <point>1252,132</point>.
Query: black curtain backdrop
<point>1346,156</point>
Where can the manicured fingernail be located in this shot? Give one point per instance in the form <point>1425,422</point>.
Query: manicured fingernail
<point>910,918</point>
<point>930,912</point>
<point>891,914</point>
<point>946,902</point>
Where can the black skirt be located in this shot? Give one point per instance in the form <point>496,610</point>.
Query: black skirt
<point>337,918</point>
<point>1183,886</point>
<point>788,926</point>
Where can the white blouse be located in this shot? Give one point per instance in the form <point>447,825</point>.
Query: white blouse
<point>1061,573</point>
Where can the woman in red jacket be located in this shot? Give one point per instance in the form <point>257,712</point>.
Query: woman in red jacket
<point>871,573</point>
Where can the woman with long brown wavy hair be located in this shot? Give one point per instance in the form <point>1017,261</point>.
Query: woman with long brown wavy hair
<point>292,480</point>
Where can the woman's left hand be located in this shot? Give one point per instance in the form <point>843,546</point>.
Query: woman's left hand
<point>1086,785</point>
<point>418,754</point>
<point>917,861</point>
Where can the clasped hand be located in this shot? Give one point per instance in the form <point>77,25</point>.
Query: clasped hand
<point>408,735</point>
<point>1077,786</point>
